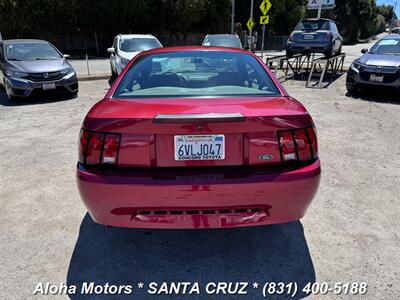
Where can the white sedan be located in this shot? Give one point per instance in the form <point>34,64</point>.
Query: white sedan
<point>127,46</point>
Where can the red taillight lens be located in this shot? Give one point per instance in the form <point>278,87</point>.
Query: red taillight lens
<point>83,139</point>
<point>110,150</point>
<point>313,140</point>
<point>98,148</point>
<point>328,36</point>
<point>288,148</point>
<point>291,37</point>
<point>94,147</point>
<point>298,144</point>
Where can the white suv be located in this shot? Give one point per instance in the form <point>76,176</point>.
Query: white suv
<point>127,46</point>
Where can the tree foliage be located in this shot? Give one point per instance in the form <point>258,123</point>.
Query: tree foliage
<point>357,19</point>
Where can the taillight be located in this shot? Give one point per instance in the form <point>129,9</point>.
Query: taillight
<point>298,144</point>
<point>291,37</point>
<point>328,36</point>
<point>97,148</point>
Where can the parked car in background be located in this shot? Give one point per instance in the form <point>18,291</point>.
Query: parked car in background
<point>127,46</point>
<point>315,36</point>
<point>35,67</point>
<point>395,30</point>
<point>223,40</point>
<point>379,66</point>
<point>197,137</point>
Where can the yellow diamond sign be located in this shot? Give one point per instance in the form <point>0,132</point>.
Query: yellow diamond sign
<point>264,20</point>
<point>265,6</point>
<point>250,24</point>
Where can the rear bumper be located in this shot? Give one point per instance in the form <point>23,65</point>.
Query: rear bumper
<point>313,47</point>
<point>198,198</point>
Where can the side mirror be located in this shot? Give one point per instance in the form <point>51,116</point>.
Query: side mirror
<point>365,50</point>
<point>111,50</point>
<point>66,55</point>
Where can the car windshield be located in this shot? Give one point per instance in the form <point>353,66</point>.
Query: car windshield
<point>196,73</point>
<point>138,44</point>
<point>31,51</point>
<point>313,25</point>
<point>222,41</point>
<point>386,46</point>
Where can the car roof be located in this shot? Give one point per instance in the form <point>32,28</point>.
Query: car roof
<point>392,36</point>
<point>195,48</point>
<point>17,41</point>
<point>223,35</point>
<point>136,36</point>
<point>316,19</point>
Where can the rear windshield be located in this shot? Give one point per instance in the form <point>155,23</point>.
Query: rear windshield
<point>138,44</point>
<point>196,73</point>
<point>31,51</point>
<point>222,41</point>
<point>313,25</point>
<point>387,46</point>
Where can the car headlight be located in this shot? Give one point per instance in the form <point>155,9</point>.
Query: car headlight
<point>67,71</point>
<point>16,74</point>
<point>356,66</point>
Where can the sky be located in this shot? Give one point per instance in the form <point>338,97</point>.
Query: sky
<point>391,2</point>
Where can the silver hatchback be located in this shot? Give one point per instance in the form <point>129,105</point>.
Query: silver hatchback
<point>35,67</point>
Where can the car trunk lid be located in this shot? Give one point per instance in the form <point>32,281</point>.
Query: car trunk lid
<point>151,128</point>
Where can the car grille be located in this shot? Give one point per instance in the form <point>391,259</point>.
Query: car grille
<point>46,76</point>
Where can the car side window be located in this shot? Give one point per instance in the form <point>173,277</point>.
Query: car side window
<point>333,27</point>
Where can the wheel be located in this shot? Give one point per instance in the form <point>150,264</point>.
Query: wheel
<point>352,89</point>
<point>10,97</point>
<point>329,53</point>
<point>340,50</point>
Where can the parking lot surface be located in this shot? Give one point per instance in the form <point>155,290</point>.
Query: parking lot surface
<point>349,234</point>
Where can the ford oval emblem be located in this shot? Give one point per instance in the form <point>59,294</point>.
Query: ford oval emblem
<point>265,157</point>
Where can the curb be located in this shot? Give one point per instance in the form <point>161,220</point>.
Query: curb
<point>95,76</point>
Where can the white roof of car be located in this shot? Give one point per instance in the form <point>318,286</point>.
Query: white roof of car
<point>136,36</point>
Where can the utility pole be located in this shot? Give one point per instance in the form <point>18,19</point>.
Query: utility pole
<point>233,17</point>
<point>319,10</point>
<point>251,30</point>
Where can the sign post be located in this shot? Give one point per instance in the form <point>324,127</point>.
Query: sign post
<point>264,20</point>
<point>320,5</point>
<point>250,25</point>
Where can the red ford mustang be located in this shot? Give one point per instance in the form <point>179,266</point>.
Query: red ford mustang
<point>197,137</point>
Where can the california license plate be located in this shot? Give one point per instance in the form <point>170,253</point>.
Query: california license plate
<point>199,147</point>
<point>49,86</point>
<point>308,36</point>
<point>376,78</point>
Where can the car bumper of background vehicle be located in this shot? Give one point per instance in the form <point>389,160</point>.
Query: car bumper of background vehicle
<point>362,80</point>
<point>198,198</point>
<point>314,47</point>
<point>19,87</point>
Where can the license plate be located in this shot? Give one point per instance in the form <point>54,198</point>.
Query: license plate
<point>308,37</point>
<point>199,147</point>
<point>49,86</point>
<point>376,78</point>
